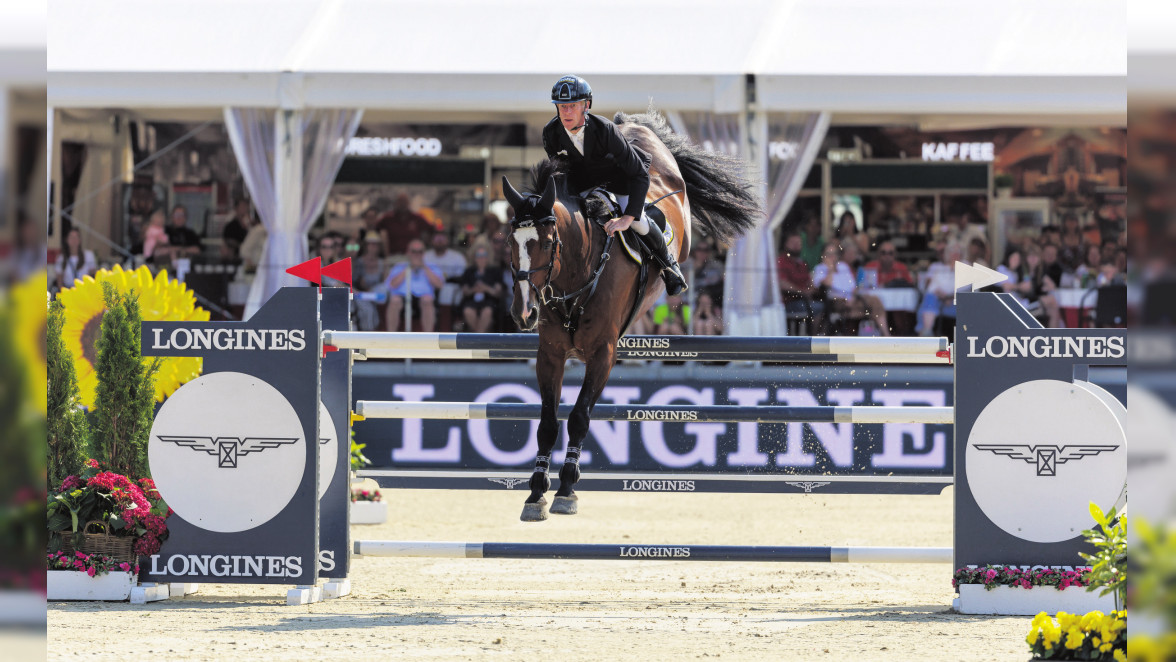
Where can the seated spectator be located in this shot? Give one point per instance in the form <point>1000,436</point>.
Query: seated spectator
<point>330,249</point>
<point>848,234</point>
<point>1087,273</point>
<point>708,272</point>
<point>938,288</point>
<point>185,242</point>
<point>421,285</point>
<point>74,262</point>
<point>452,265</point>
<point>253,246</point>
<point>709,320</point>
<point>796,282</point>
<point>812,244</point>
<point>836,280</point>
<point>977,252</point>
<point>890,272</point>
<point>482,289</point>
<point>370,228</point>
<point>155,243</point>
<point>1054,268</point>
<point>368,276</point>
<point>671,318</point>
<point>237,229</point>
<point>1042,284</point>
<point>1071,243</point>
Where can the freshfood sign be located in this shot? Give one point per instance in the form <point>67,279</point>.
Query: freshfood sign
<point>375,147</point>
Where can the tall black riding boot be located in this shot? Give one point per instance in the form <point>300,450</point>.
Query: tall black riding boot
<point>671,273</point>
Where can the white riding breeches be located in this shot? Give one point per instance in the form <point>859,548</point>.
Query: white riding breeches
<point>640,225</point>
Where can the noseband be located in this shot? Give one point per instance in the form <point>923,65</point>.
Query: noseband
<point>547,292</point>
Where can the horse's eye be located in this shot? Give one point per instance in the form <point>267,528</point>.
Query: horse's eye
<point>547,244</point>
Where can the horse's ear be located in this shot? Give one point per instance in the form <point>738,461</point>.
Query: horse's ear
<point>513,197</point>
<point>548,199</point>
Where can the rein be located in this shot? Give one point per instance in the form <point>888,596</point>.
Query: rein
<point>568,307</point>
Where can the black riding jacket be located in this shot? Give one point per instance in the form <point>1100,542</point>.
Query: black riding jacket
<point>608,160</point>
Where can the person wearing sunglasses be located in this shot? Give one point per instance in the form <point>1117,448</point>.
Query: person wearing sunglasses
<point>889,270</point>
<point>421,279</point>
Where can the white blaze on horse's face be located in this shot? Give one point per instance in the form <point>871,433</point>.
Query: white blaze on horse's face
<point>522,237</point>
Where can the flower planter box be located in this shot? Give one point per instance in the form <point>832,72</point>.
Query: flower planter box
<point>369,512</point>
<point>75,585</point>
<point>1017,601</point>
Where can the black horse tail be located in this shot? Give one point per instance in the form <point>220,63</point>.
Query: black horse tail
<point>720,192</point>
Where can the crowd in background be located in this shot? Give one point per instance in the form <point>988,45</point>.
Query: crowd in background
<point>416,272</point>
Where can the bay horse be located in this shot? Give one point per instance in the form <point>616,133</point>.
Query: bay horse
<point>580,300</point>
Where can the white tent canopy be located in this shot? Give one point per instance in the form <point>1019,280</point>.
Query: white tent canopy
<point>923,57</point>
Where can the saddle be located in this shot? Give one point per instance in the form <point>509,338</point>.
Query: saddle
<point>599,206</point>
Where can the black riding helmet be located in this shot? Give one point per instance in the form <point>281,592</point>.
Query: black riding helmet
<point>571,89</point>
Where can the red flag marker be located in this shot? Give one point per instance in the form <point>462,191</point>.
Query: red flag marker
<point>340,271</point>
<point>308,270</point>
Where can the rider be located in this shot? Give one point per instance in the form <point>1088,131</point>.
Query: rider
<point>598,155</point>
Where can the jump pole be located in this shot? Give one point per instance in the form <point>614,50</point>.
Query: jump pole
<point>763,348</point>
<point>940,358</point>
<point>638,552</point>
<point>510,411</point>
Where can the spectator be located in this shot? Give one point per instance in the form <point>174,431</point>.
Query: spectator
<point>1088,272</point>
<point>452,265</point>
<point>368,276</point>
<point>1071,246</point>
<point>401,226</point>
<point>959,229</point>
<point>796,282</point>
<point>1019,284</point>
<point>482,289</point>
<point>938,289</point>
<point>1053,267</point>
<point>847,233</point>
<point>183,239</point>
<point>812,244</point>
<point>330,250</point>
<point>672,317</point>
<point>417,279</point>
<point>237,229</point>
<point>835,278</point>
<point>709,320</point>
<point>708,272</point>
<point>74,262</point>
<point>1042,284</point>
<point>370,229</point>
<point>155,242</point>
<point>501,249</point>
<point>253,247</point>
<point>977,252</point>
<point>889,270</point>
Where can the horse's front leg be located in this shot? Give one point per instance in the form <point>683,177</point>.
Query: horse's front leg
<point>549,370</point>
<point>596,372</point>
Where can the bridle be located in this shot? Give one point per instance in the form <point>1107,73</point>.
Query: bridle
<point>547,291</point>
<point>568,307</point>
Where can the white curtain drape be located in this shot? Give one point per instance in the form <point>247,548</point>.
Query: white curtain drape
<point>289,159</point>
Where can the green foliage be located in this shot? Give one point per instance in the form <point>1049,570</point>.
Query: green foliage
<point>67,429</point>
<point>1153,575</point>
<point>1003,181</point>
<point>125,397</point>
<point>1109,562</point>
<point>358,459</point>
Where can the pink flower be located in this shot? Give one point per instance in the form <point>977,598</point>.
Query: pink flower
<point>92,463</point>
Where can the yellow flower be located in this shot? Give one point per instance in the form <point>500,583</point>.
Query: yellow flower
<point>160,299</point>
<point>1074,638</point>
<point>28,304</point>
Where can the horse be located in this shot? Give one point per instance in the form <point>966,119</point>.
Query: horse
<point>581,300</point>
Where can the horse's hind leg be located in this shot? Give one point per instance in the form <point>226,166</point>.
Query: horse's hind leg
<point>549,369</point>
<point>595,377</point>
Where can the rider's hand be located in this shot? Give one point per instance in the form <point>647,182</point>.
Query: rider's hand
<point>616,224</point>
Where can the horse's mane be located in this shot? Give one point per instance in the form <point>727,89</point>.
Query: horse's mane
<point>558,168</point>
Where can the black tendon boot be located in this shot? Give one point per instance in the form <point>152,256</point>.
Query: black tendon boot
<point>671,274</point>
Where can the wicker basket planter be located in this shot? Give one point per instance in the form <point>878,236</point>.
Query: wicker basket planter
<point>96,539</point>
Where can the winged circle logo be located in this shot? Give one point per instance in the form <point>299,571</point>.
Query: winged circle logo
<point>1040,452</point>
<point>227,452</point>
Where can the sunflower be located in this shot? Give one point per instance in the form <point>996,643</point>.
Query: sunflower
<point>160,299</point>
<point>28,303</point>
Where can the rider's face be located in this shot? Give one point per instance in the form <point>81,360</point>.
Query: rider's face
<point>572,114</point>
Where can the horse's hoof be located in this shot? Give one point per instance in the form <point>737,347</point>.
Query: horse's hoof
<point>564,505</point>
<point>534,512</point>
